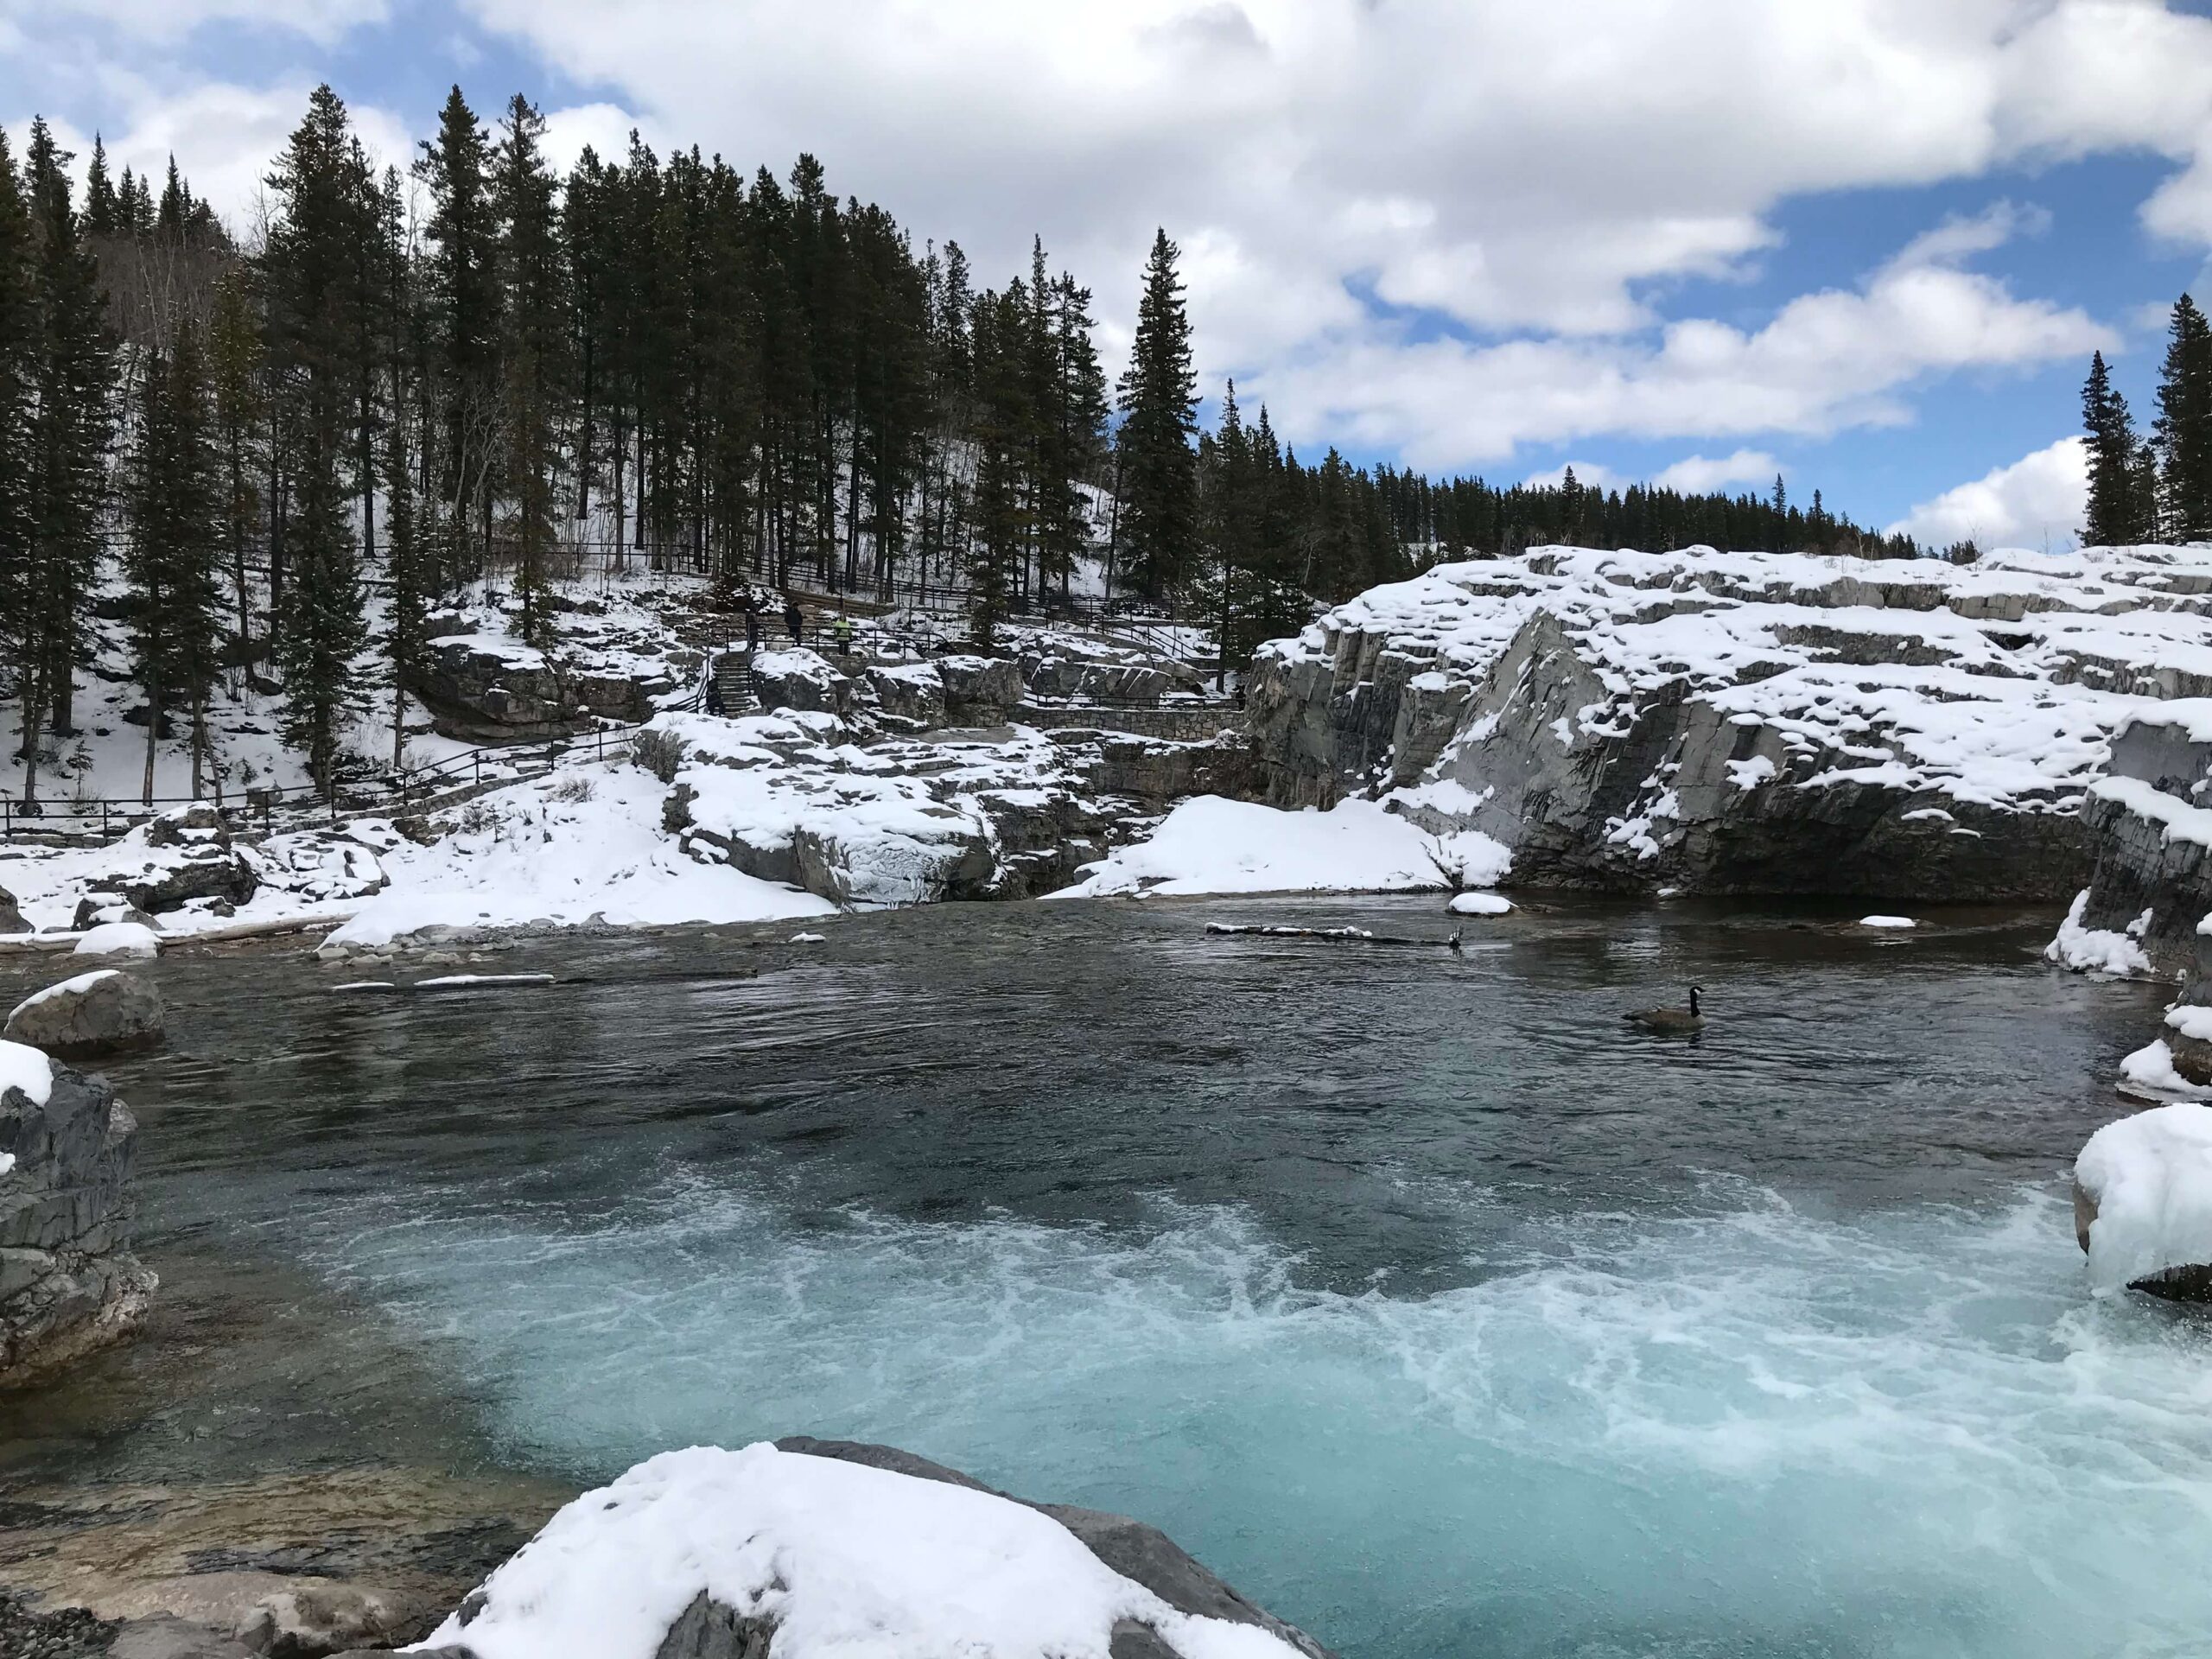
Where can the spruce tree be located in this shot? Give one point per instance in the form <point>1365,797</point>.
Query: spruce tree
<point>69,434</point>
<point>234,373</point>
<point>406,581</point>
<point>1159,467</point>
<point>534,343</point>
<point>2184,425</point>
<point>462,305</point>
<point>18,384</point>
<point>2111,518</point>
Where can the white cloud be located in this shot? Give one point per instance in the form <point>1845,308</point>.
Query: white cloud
<point>1698,474</point>
<point>2037,502</point>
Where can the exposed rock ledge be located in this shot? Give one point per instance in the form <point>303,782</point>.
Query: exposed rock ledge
<point>1745,722</point>
<point>68,1283</point>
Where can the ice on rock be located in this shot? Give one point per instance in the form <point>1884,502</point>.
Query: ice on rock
<point>2150,1176</point>
<point>2099,949</point>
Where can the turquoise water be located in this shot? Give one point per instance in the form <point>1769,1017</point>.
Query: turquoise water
<point>1406,1290</point>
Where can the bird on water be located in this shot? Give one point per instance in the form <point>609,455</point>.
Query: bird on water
<point>1670,1022</point>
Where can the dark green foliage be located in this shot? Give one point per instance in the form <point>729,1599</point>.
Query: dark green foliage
<point>1158,461</point>
<point>2185,426</point>
<point>2112,519</point>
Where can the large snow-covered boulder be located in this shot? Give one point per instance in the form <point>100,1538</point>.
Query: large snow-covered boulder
<point>68,1283</point>
<point>94,1016</point>
<point>809,1550</point>
<point>2143,1203</point>
<point>175,875</point>
<point>119,939</point>
<point>979,690</point>
<point>800,679</point>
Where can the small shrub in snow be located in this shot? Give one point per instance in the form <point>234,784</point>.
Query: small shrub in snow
<point>658,752</point>
<point>478,819</point>
<point>575,791</point>
<point>675,810</point>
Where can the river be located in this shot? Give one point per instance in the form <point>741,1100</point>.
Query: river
<point>1410,1291</point>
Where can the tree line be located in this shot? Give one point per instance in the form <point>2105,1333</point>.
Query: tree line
<point>398,382</point>
<point>2153,486</point>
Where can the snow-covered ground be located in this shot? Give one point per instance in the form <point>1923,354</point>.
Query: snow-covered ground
<point>840,1561</point>
<point>1211,845</point>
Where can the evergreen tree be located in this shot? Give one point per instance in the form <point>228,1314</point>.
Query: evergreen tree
<point>406,579</point>
<point>99,194</point>
<point>19,592</point>
<point>171,511</point>
<point>234,373</point>
<point>1001,429</point>
<point>68,433</point>
<point>2184,425</point>
<point>534,343</point>
<point>2112,519</point>
<point>1158,468</point>
<point>462,304</point>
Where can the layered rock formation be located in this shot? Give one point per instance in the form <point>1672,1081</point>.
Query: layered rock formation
<point>1745,723</point>
<point>94,1016</point>
<point>68,1283</point>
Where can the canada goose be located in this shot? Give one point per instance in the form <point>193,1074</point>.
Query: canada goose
<point>1452,943</point>
<point>1670,1022</point>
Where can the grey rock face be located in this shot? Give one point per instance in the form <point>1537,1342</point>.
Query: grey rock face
<point>94,908</point>
<point>802,680</point>
<point>979,690</point>
<point>197,825</point>
<point>315,1619</point>
<point>11,918</point>
<point>1733,723</point>
<point>68,1283</point>
<point>91,1017</point>
<point>473,688</point>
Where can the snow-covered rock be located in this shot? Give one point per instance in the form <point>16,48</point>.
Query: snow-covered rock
<point>1479,904</point>
<point>834,1551</point>
<point>1743,721</point>
<point>119,939</point>
<point>11,916</point>
<point>1210,845</point>
<point>801,680</point>
<point>2143,1203</point>
<point>1897,922</point>
<point>93,1016</point>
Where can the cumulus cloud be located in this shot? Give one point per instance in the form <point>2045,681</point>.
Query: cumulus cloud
<point>2037,502</point>
<point>1697,474</point>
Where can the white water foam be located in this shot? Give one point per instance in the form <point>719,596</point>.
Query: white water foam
<point>1750,1432</point>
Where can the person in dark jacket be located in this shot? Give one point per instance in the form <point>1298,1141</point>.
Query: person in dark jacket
<point>794,619</point>
<point>750,604</point>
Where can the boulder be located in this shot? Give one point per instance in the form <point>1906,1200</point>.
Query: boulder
<point>95,908</point>
<point>11,918</point>
<point>119,939</point>
<point>204,871</point>
<point>68,1283</point>
<point>94,1016</point>
<point>800,679</point>
<point>979,690</point>
<point>706,1554</point>
<point>196,825</point>
<point>312,1619</point>
<point>914,692</point>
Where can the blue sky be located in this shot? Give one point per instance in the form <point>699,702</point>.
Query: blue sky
<point>1700,239</point>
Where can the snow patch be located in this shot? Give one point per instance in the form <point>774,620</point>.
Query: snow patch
<point>1887,921</point>
<point>66,987</point>
<point>2099,949</point>
<point>1479,904</point>
<point>119,939</point>
<point>1212,845</point>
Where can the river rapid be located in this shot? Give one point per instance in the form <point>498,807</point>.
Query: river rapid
<point>1410,1291</point>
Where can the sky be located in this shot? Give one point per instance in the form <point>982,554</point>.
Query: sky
<point>1866,244</point>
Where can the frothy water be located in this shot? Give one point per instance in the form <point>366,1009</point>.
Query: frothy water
<point>1433,1314</point>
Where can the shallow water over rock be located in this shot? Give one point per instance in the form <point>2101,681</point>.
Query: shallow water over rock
<point>1410,1292</point>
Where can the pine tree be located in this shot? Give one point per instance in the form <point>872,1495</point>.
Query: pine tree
<point>1001,518</point>
<point>2112,519</point>
<point>234,372</point>
<point>2184,425</point>
<point>1158,468</point>
<point>534,343</point>
<point>99,193</point>
<point>463,313</point>
<point>68,433</point>
<point>406,579</point>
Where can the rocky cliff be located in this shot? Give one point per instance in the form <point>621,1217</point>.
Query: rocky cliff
<point>68,1283</point>
<point>1746,723</point>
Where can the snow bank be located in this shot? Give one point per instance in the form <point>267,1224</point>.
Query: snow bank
<point>2150,1178</point>
<point>2099,949</point>
<point>1887,921</point>
<point>119,939</point>
<point>531,856</point>
<point>847,1562</point>
<point>27,1069</point>
<point>1212,845</point>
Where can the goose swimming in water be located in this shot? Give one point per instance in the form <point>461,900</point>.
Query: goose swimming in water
<point>1670,1022</point>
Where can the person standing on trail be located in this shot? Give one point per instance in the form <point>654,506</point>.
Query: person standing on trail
<point>793,618</point>
<point>841,631</point>
<point>751,606</point>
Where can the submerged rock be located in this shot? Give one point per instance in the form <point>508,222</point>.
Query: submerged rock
<point>68,1283</point>
<point>94,1016</point>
